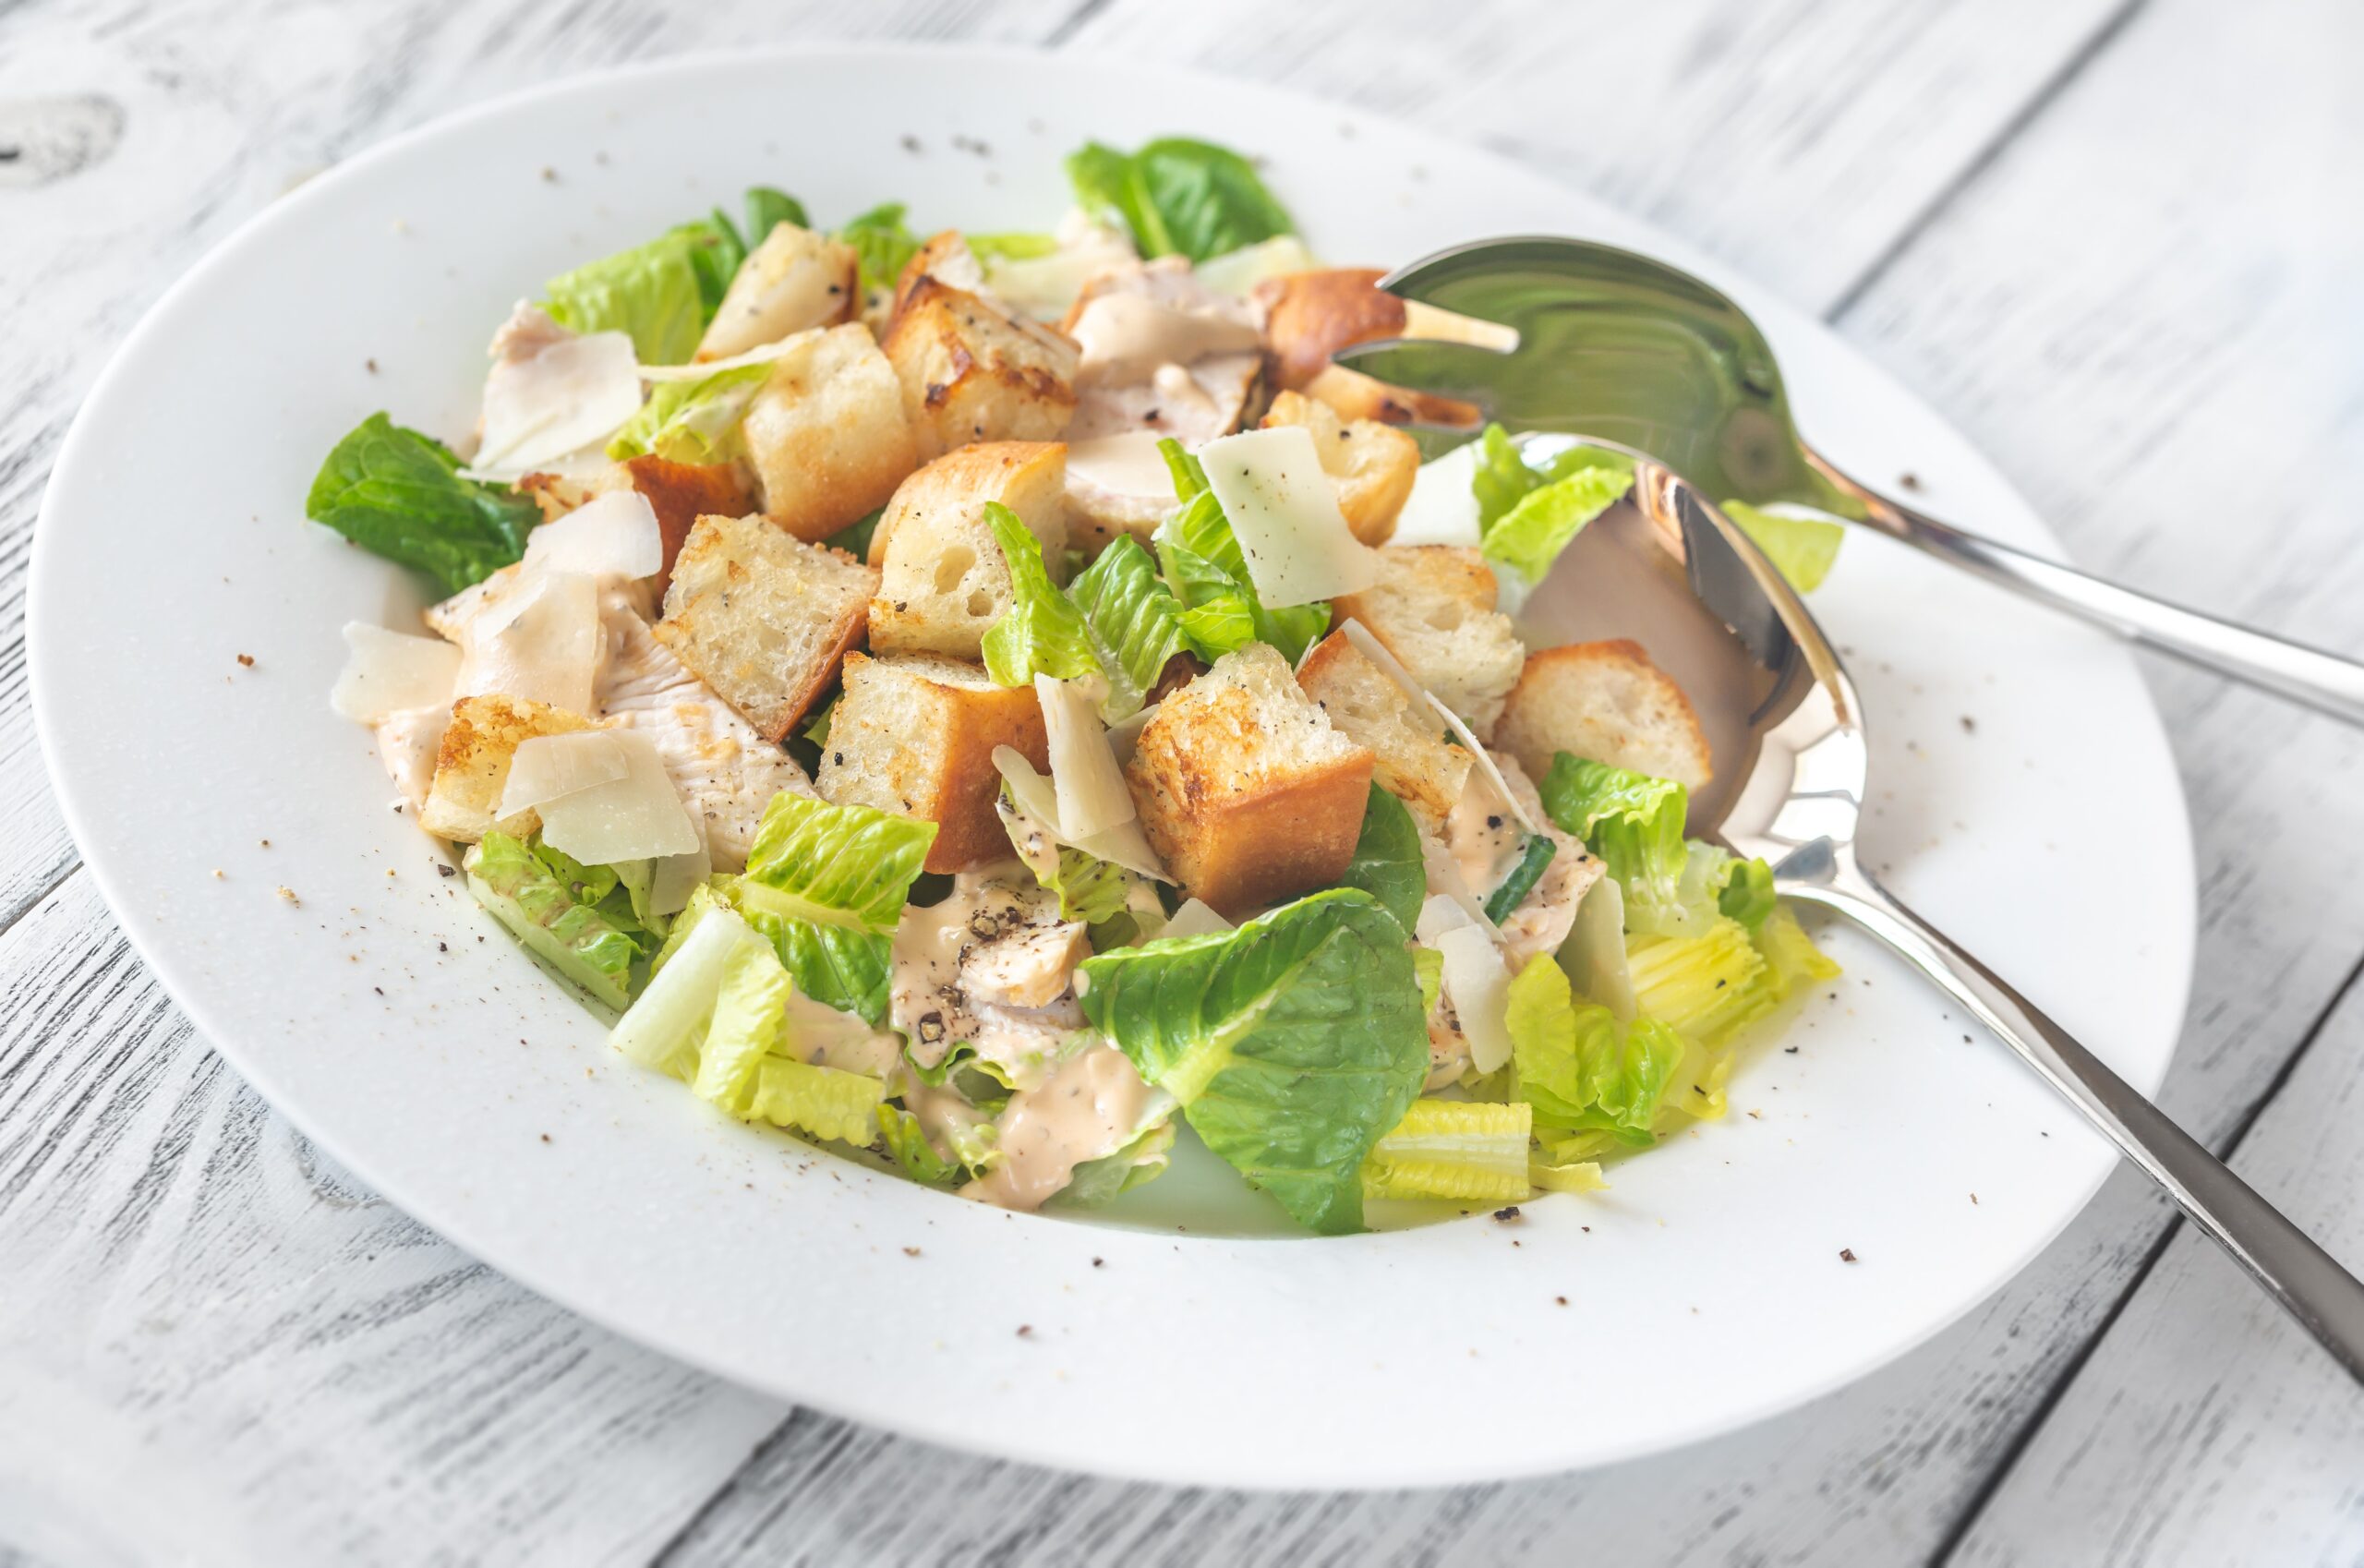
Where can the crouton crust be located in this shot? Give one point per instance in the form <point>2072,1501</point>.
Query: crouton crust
<point>1413,760</point>
<point>1433,609</point>
<point>1245,792</point>
<point>916,736</point>
<point>472,765</point>
<point>1607,701</point>
<point>679,493</point>
<point>971,373</point>
<point>943,579</point>
<point>1310,316</point>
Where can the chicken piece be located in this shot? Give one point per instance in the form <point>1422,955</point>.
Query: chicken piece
<point>1486,842</point>
<point>991,966</point>
<point>726,772</point>
<point>1158,352</point>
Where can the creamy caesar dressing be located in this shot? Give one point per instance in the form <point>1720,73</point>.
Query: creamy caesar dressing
<point>1089,1108</point>
<point>820,1036</point>
<point>1482,835</point>
<point>991,966</point>
<point>1127,339</point>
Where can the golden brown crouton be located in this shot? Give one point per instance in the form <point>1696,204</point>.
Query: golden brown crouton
<point>1372,464</point>
<point>679,493</point>
<point>945,257</point>
<point>971,372</point>
<point>1433,609</point>
<point>916,735</point>
<point>943,579</point>
<point>793,279</point>
<point>826,434</point>
<point>1608,703</point>
<point>764,618</point>
<point>1310,316</point>
<point>472,765</point>
<point>1414,761</point>
<point>1247,793</point>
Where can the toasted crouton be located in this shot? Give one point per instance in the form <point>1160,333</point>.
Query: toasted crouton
<point>472,765</point>
<point>826,434</point>
<point>679,493</point>
<point>1310,316</point>
<point>1247,791</point>
<point>793,279</point>
<point>1433,609</point>
<point>1415,762</point>
<point>764,618</point>
<point>1371,463</point>
<point>945,257</point>
<point>943,579</point>
<point>971,372</point>
<point>916,736</point>
<point>1608,703</point>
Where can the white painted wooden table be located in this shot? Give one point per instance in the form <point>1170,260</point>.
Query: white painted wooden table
<point>2119,241</point>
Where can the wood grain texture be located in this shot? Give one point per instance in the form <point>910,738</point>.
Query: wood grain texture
<point>2106,290</point>
<point>1796,138</point>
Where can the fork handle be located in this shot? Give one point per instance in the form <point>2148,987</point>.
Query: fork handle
<point>2320,681</point>
<point>2323,1296</point>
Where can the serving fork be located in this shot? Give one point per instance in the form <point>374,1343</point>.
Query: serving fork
<point>1622,346</point>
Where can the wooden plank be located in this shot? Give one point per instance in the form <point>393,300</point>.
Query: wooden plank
<point>2104,374</point>
<point>213,1339</point>
<point>2208,1427</point>
<point>1794,137</point>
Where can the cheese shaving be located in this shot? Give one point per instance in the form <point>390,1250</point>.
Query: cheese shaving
<point>636,817</point>
<point>386,672</point>
<point>1283,510</point>
<point>1125,845</point>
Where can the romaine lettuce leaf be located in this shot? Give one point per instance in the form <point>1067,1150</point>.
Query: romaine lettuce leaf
<point>823,1101</point>
<point>1209,574</point>
<point>1746,894</point>
<point>693,421</point>
<point>1791,957</point>
<point>543,909</point>
<point>399,494</point>
<point>882,243</point>
<point>1178,197</point>
<point>834,965</point>
<point>662,293</point>
<point>1134,621</point>
<point>1292,1043</point>
<point>833,865</point>
<point>854,537</point>
<point>1387,862</point>
<point>899,1131</point>
<point>1579,1068</point>
<point>1453,1148</point>
<point>1098,1182</point>
<point>1707,987</point>
<point>1529,536</point>
<point>1428,967</point>
<point>1042,632</point>
<point>1011,246</point>
<point>762,210</point>
<point>1801,548</point>
<point>1635,824</point>
<point>1572,1176</point>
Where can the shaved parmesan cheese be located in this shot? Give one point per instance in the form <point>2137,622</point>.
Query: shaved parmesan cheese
<point>635,817</point>
<point>387,672</point>
<point>614,534</point>
<point>1283,510</point>
<point>1448,895</point>
<point>409,744</point>
<point>546,767</point>
<point>540,640</point>
<point>1443,508</point>
<point>558,399</point>
<point>1088,785</point>
<point>1125,845</point>
<point>1594,954</point>
<point>1195,919</point>
<point>1371,649</point>
<point>1479,982</point>
<point>1239,271</point>
<point>672,878</point>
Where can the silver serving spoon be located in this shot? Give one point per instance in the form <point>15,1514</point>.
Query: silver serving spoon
<point>1632,350</point>
<point>1791,744</point>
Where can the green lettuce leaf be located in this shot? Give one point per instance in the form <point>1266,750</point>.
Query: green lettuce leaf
<point>1456,1150</point>
<point>1792,959</point>
<point>1133,620</point>
<point>1578,1067</point>
<point>1746,894</point>
<point>693,421</point>
<point>899,1131</point>
<point>854,537</point>
<point>1208,572</point>
<point>1529,536</point>
<point>834,965</point>
<point>882,243</point>
<point>662,293</point>
<point>1178,197</point>
<point>545,913</point>
<point>1635,824</point>
<point>1707,987</point>
<point>1292,1043</point>
<point>763,209</point>
<point>1013,246</point>
<point>399,494</point>
<point>1801,548</point>
<point>1387,862</point>
<point>1096,1183</point>
<point>823,1102</point>
<point>846,866</point>
<point>1428,967</point>
<point>1042,632</point>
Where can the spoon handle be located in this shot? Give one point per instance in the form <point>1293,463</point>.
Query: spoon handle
<point>2323,682</point>
<point>2325,1298</point>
